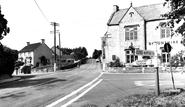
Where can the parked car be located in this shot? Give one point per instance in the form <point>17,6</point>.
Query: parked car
<point>97,60</point>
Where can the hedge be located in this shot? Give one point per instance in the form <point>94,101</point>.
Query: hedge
<point>7,61</point>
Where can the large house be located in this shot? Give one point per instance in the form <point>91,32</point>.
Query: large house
<point>35,54</point>
<point>133,33</point>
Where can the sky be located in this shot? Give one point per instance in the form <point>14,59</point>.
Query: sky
<point>82,22</point>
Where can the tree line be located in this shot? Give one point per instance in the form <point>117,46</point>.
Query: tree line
<point>79,53</point>
<point>8,56</point>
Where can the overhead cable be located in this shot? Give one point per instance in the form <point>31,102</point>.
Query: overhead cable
<point>41,11</point>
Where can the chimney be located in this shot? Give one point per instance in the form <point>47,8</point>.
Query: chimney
<point>28,43</point>
<point>43,41</point>
<point>115,8</point>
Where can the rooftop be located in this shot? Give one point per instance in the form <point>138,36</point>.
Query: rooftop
<point>148,12</point>
<point>30,47</point>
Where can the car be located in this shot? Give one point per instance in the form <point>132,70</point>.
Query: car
<point>97,60</point>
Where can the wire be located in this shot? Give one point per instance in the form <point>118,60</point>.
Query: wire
<point>41,11</point>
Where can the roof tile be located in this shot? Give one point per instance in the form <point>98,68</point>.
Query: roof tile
<point>148,12</point>
<point>30,47</point>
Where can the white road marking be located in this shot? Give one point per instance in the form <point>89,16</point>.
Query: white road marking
<point>82,94</point>
<point>74,92</point>
<point>152,83</point>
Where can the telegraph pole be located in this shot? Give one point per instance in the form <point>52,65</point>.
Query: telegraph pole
<point>59,50</point>
<point>54,24</point>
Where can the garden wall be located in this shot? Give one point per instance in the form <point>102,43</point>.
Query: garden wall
<point>142,69</point>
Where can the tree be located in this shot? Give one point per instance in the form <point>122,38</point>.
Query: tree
<point>7,55</point>
<point>7,61</point>
<point>96,53</point>
<point>3,26</point>
<point>80,53</point>
<point>43,60</point>
<point>177,59</point>
<point>176,16</point>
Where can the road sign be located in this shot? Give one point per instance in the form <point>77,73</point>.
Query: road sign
<point>144,52</point>
<point>167,47</point>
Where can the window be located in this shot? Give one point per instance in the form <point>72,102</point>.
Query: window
<point>165,31</point>
<point>165,57</point>
<point>130,56</point>
<point>131,33</point>
<point>113,57</point>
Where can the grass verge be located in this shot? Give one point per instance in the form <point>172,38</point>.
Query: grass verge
<point>167,98</point>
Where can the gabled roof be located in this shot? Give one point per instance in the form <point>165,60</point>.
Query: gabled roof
<point>148,12</point>
<point>30,47</point>
<point>116,17</point>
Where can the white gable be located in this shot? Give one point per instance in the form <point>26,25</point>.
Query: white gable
<point>131,16</point>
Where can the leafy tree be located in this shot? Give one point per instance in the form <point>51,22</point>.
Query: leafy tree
<point>177,59</point>
<point>43,60</point>
<point>7,55</point>
<point>176,16</point>
<point>3,26</point>
<point>7,60</point>
<point>96,53</point>
<point>80,53</point>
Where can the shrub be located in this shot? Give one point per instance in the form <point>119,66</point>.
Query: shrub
<point>116,63</point>
<point>7,60</point>
<point>68,66</point>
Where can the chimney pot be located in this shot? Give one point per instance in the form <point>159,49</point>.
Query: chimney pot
<point>115,8</point>
<point>43,41</point>
<point>28,43</point>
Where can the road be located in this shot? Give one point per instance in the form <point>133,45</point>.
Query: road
<point>43,90</point>
<point>81,86</point>
<point>117,86</point>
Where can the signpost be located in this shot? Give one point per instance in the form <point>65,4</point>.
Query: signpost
<point>168,48</point>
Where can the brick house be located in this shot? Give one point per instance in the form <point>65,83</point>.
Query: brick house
<point>136,27</point>
<point>34,53</point>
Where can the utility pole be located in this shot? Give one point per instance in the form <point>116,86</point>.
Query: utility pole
<point>54,24</point>
<point>60,51</point>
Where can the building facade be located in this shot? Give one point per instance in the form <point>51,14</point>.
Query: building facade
<point>36,53</point>
<point>134,32</point>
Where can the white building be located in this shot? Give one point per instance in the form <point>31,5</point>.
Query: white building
<point>136,27</point>
<point>33,53</point>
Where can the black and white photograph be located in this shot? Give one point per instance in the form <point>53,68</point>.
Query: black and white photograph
<point>92,53</point>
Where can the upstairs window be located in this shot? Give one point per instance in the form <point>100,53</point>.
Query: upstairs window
<point>165,31</point>
<point>131,33</point>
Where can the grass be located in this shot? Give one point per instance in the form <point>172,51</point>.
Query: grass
<point>167,98</point>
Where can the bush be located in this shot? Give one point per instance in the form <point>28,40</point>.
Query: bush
<point>7,60</point>
<point>69,66</point>
<point>26,70</point>
<point>116,63</point>
<point>83,61</point>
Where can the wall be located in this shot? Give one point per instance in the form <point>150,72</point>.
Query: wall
<point>154,35</point>
<point>42,50</point>
<point>129,20</point>
<point>112,43</point>
<point>26,54</point>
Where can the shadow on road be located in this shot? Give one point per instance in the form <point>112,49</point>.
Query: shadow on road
<point>30,82</point>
